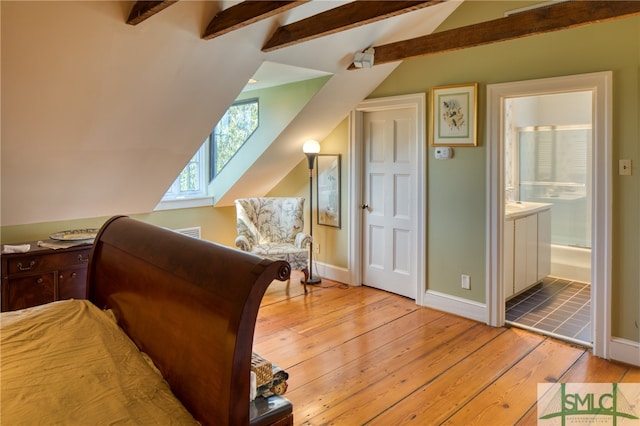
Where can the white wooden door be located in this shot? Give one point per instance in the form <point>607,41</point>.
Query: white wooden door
<point>526,252</point>
<point>520,255</point>
<point>389,223</point>
<point>508,248</point>
<point>544,244</point>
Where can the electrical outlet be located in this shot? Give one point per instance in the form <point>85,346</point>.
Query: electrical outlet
<point>466,284</point>
<point>624,167</point>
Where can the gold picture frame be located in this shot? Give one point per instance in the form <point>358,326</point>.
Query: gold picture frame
<point>454,115</point>
<point>328,185</point>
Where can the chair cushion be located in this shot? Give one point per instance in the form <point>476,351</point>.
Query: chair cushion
<point>296,257</point>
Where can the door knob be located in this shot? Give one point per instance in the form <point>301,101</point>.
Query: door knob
<point>364,206</point>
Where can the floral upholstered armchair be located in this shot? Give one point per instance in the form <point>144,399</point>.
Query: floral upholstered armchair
<point>272,227</point>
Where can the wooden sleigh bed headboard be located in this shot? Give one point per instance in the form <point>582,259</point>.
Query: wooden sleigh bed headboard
<point>190,305</point>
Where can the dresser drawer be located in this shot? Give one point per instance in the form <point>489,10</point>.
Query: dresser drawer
<point>30,290</point>
<point>72,284</point>
<point>38,263</point>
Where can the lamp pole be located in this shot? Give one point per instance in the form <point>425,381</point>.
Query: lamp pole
<point>311,149</point>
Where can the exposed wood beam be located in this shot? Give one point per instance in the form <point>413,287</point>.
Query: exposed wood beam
<point>341,18</point>
<point>246,13</point>
<point>537,21</point>
<point>142,10</point>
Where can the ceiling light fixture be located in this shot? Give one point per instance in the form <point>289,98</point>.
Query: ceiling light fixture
<point>364,59</point>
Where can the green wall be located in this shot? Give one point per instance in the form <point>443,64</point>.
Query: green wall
<point>457,188</point>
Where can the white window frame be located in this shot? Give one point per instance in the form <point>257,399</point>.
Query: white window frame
<point>200,198</point>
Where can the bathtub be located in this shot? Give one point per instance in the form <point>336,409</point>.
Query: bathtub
<point>571,263</point>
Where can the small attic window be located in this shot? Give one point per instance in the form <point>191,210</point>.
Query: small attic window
<point>192,180</point>
<point>234,128</point>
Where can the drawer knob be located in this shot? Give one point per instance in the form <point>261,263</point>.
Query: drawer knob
<point>26,268</point>
<point>39,281</point>
<point>83,259</point>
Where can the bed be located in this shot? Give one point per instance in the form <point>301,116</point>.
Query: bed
<point>187,309</point>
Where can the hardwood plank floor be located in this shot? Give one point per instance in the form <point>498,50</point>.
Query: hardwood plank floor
<point>357,355</point>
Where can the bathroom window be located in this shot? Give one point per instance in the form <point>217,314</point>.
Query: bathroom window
<point>554,167</point>
<point>553,160</point>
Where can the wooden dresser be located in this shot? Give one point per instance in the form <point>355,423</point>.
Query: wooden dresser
<point>43,275</point>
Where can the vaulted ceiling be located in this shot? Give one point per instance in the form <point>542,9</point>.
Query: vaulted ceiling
<point>104,102</point>
<point>539,18</point>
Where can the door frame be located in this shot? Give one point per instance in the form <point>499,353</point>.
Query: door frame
<point>600,83</point>
<point>416,101</point>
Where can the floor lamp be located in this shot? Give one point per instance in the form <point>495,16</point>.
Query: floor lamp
<point>311,149</point>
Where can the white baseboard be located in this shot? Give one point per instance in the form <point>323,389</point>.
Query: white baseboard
<point>456,305</point>
<point>624,350</point>
<point>331,272</point>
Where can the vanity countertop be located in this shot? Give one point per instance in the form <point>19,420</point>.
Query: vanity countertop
<point>523,208</point>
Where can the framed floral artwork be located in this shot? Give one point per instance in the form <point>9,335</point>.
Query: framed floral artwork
<point>454,113</point>
<point>328,181</point>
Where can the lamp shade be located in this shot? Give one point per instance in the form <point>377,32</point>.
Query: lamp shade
<point>311,147</point>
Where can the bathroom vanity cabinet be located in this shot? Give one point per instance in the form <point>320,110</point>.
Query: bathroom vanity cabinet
<point>527,246</point>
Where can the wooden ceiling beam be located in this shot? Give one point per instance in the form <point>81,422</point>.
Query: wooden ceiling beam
<point>142,10</point>
<point>246,13</point>
<point>537,21</point>
<point>341,18</point>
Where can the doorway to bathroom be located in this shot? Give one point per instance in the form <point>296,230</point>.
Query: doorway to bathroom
<point>549,206</point>
<point>547,222</point>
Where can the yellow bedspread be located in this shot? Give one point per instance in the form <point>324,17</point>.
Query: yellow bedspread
<point>68,363</point>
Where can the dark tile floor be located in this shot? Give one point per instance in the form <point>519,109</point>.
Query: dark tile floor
<point>555,307</point>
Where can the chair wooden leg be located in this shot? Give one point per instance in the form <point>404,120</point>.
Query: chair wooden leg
<point>305,271</point>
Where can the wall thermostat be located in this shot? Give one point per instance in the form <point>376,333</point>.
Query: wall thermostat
<point>444,152</point>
